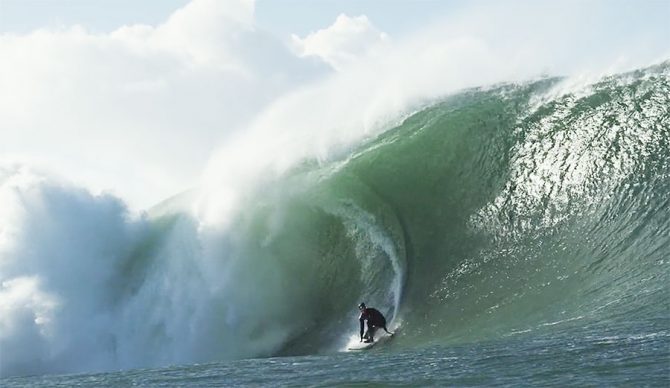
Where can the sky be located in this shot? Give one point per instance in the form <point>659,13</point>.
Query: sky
<point>282,17</point>
<point>142,99</point>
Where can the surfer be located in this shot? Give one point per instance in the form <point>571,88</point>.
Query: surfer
<point>375,320</point>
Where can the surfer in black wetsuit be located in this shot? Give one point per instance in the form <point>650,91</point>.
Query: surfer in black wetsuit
<point>375,320</point>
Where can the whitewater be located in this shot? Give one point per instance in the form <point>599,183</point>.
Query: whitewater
<point>517,233</point>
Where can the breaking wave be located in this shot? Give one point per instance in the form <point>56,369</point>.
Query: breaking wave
<point>492,212</point>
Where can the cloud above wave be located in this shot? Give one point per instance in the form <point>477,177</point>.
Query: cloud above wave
<point>346,41</point>
<point>138,110</point>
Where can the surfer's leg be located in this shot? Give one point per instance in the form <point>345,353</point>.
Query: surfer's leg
<point>368,334</point>
<point>371,332</point>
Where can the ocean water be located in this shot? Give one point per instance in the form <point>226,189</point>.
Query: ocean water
<point>585,356</point>
<point>517,234</point>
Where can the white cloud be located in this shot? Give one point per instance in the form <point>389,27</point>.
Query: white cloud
<point>139,110</point>
<point>209,32</point>
<point>345,42</point>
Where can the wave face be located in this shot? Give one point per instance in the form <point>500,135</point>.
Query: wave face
<point>515,208</point>
<point>494,212</point>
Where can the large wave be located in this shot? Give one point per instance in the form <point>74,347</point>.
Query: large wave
<point>494,211</point>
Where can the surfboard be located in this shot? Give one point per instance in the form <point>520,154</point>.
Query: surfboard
<point>369,345</point>
<point>362,345</point>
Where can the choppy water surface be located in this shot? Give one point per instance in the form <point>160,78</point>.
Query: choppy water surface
<point>618,355</point>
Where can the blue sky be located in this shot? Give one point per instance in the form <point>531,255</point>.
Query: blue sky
<point>138,98</point>
<point>22,16</point>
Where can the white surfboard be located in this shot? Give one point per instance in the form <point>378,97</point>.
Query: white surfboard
<point>369,345</point>
<point>362,345</point>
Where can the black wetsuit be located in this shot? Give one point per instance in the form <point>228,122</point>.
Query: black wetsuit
<point>375,320</point>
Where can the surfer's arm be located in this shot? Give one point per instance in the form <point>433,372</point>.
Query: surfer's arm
<point>362,321</point>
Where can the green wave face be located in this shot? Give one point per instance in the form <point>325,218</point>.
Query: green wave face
<point>492,212</point>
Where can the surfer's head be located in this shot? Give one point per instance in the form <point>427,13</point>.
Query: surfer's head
<point>361,306</point>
